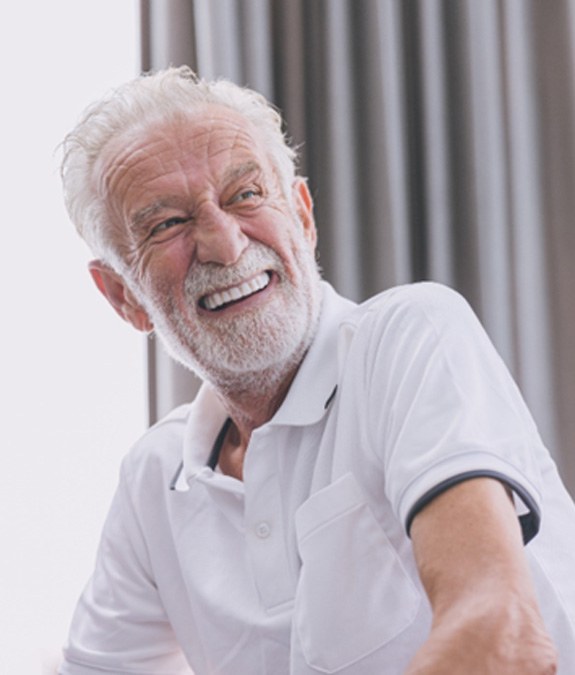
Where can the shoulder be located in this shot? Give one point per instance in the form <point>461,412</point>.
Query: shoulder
<point>427,299</point>
<point>423,310</point>
<point>158,452</point>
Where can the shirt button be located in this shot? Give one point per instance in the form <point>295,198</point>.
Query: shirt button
<point>263,530</point>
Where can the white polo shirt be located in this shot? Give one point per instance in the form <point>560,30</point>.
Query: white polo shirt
<point>306,566</point>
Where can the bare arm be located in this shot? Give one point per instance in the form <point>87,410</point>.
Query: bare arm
<point>470,558</point>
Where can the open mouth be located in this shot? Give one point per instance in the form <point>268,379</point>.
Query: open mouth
<point>216,301</point>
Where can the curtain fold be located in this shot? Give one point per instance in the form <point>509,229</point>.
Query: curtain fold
<point>438,139</point>
<point>432,132</point>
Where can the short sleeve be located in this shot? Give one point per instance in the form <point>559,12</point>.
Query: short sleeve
<point>442,406</point>
<point>119,625</point>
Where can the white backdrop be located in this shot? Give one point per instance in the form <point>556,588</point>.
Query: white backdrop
<point>72,376</point>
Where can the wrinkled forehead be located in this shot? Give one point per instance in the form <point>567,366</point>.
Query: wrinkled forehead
<point>211,132</point>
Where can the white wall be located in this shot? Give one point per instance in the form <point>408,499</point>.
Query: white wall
<point>72,375</point>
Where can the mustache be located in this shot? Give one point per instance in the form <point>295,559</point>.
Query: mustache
<point>205,278</point>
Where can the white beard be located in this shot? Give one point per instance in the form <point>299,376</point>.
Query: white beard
<point>249,349</point>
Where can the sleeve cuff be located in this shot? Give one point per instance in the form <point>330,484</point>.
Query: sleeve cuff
<point>529,521</point>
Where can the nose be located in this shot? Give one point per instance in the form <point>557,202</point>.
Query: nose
<point>219,237</point>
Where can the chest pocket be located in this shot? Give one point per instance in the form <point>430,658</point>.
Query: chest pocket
<point>354,595</point>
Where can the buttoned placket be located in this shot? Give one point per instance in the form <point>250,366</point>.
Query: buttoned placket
<point>264,526</point>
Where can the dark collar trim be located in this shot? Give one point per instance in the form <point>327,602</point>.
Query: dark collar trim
<point>176,476</point>
<point>218,443</point>
<point>214,454</point>
<point>330,398</point>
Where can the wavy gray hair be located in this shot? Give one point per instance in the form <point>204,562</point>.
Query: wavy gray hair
<point>140,103</point>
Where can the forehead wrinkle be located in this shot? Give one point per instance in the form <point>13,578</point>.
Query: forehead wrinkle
<point>126,156</point>
<point>244,136</point>
<point>228,135</point>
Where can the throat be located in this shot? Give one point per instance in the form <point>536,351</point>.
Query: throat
<point>232,453</point>
<point>248,408</point>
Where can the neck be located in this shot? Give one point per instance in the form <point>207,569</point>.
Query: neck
<point>252,399</point>
<point>249,408</point>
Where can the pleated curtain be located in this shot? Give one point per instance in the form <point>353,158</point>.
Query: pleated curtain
<point>438,139</point>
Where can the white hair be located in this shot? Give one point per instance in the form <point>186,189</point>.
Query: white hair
<point>138,104</point>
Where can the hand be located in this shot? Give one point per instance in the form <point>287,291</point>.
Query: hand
<point>505,639</point>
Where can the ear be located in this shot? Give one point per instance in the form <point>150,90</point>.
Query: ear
<point>115,290</point>
<point>304,207</point>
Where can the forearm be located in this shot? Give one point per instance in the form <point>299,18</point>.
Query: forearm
<point>503,640</point>
<point>471,561</point>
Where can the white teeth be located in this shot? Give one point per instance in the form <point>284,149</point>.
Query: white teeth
<point>242,290</point>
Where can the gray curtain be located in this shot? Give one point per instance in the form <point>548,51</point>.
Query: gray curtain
<point>438,137</point>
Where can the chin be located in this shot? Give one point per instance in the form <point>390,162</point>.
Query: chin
<point>264,343</point>
<point>251,350</point>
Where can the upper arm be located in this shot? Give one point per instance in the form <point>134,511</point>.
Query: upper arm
<point>468,539</point>
<point>470,557</point>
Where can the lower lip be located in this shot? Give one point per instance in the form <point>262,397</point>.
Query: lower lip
<point>244,304</point>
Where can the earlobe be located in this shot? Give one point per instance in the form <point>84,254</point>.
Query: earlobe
<point>304,206</point>
<point>114,289</point>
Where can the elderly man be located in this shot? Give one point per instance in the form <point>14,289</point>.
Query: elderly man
<point>357,489</point>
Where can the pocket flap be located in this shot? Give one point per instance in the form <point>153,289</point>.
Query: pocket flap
<point>331,502</point>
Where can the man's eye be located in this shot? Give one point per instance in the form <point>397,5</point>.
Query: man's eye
<point>246,195</point>
<point>166,225</point>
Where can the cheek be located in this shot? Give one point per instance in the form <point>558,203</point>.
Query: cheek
<point>283,234</point>
<point>164,267</point>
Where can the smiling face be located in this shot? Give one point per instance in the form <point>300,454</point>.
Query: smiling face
<point>221,262</point>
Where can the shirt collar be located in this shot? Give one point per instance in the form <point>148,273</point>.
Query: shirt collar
<point>205,419</point>
<point>316,379</point>
<point>305,403</point>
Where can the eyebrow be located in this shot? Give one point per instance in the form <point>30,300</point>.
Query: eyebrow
<point>234,173</point>
<point>141,216</point>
